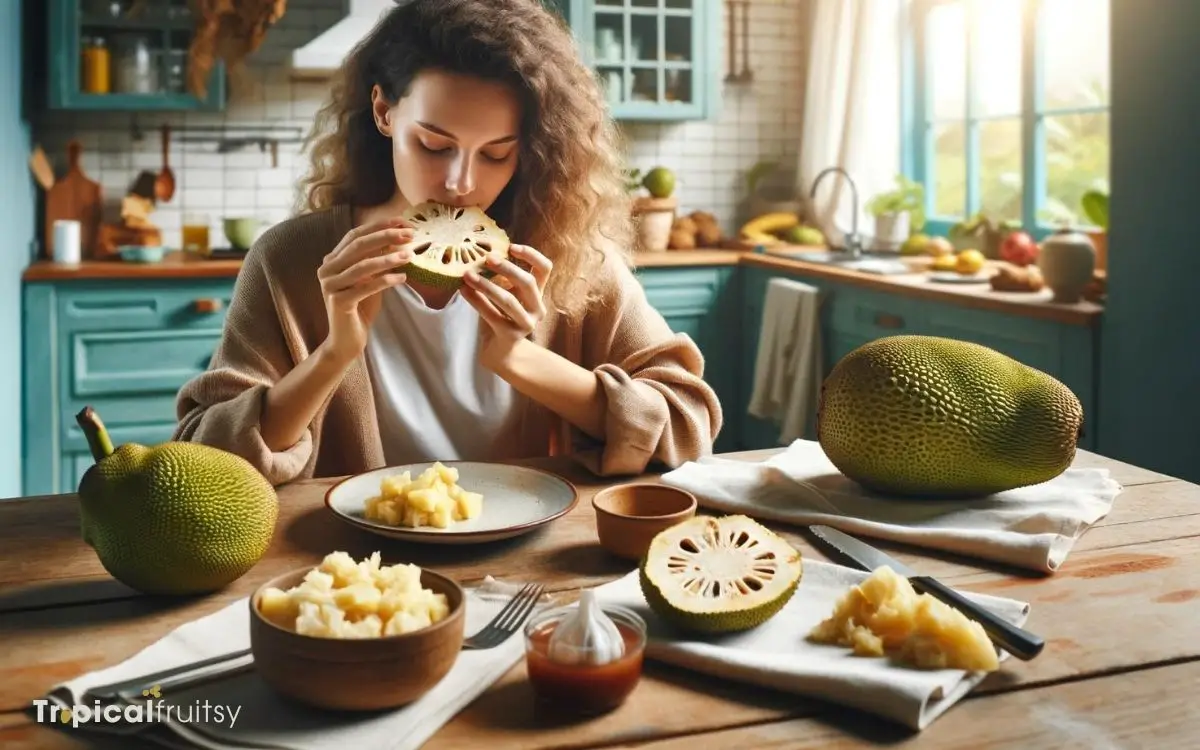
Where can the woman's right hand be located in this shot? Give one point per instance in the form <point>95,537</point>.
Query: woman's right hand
<point>352,276</point>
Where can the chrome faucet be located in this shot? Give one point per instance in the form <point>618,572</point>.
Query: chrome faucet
<point>853,243</point>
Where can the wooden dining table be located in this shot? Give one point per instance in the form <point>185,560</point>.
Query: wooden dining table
<point>1121,620</point>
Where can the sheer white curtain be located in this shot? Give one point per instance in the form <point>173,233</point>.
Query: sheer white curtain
<point>851,108</point>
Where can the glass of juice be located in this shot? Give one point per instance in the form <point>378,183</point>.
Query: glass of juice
<point>195,233</point>
<point>584,688</point>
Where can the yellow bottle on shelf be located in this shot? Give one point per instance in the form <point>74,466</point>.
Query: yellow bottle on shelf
<point>94,75</point>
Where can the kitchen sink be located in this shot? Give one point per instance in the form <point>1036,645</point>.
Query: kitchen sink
<point>887,264</point>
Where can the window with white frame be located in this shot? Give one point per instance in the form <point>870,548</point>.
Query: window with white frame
<point>1008,109</point>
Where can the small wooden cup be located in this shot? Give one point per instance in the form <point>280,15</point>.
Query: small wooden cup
<point>629,516</point>
<point>357,674</point>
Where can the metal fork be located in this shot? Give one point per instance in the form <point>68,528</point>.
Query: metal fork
<point>508,620</point>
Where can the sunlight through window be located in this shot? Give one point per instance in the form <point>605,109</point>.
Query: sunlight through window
<point>1011,98</point>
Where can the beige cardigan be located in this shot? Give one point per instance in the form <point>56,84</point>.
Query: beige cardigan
<point>660,411</point>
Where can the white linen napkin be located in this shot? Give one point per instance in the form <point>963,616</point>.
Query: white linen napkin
<point>251,713</point>
<point>778,655</point>
<point>1030,527</point>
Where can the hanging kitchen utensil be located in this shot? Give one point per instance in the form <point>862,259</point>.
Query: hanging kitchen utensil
<point>731,76</point>
<point>745,75</point>
<point>74,197</point>
<point>164,186</point>
<point>40,165</point>
<point>144,185</point>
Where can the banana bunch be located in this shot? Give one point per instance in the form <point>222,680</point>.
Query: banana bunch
<point>766,229</point>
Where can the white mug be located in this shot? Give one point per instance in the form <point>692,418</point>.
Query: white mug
<point>67,246</point>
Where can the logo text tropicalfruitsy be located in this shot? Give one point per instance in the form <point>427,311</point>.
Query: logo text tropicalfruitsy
<point>153,709</point>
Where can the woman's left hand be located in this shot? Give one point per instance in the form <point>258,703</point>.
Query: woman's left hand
<point>510,314</point>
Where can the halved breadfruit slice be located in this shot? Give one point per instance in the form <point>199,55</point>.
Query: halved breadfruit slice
<point>719,575</point>
<point>448,241</point>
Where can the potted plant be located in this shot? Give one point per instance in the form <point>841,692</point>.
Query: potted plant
<point>1095,207</point>
<point>654,211</point>
<point>898,213</point>
<point>980,232</point>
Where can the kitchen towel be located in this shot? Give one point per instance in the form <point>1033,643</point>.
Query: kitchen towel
<point>1031,527</point>
<point>243,710</point>
<point>778,655</point>
<point>787,379</point>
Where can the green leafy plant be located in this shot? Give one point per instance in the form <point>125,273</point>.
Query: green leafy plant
<point>633,179</point>
<point>909,196</point>
<point>1095,207</point>
<point>756,173</point>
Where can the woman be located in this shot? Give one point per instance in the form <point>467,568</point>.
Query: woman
<point>331,363</point>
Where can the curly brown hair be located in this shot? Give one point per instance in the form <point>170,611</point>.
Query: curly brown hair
<point>568,196</point>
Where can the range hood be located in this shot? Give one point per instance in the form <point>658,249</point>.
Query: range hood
<point>323,55</point>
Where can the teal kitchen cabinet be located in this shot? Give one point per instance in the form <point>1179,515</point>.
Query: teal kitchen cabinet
<point>143,52</point>
<point>124,348</point>
<point>703,302</point>
<point>753,432</point>
<point>852,316</point>
<point>658,60</point>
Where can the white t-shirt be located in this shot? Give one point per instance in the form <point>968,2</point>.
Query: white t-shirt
<point>435,402</point>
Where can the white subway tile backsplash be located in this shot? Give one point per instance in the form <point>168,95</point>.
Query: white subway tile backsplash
<point>273,178</point>
<point>203,160</point>
<point>203,198</point>
<point>202,178</point>
<point>241,178</point>
<point>243,198</point>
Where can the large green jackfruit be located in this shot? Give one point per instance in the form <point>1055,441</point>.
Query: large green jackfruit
<point>938,417</point>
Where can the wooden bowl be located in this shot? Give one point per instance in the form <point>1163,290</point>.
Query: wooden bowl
<point>357,674</point>
<point>628,516</point>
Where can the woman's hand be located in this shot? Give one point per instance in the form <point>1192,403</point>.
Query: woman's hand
<point>510,314</point>
<point>352,276</point>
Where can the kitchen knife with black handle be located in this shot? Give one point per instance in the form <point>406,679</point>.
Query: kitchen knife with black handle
<point>1017,641</point>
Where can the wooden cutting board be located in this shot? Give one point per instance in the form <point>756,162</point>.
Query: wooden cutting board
<point>74,197</point>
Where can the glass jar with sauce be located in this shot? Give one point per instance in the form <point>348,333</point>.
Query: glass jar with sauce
<point>585,689</point>
<point>94,71</point>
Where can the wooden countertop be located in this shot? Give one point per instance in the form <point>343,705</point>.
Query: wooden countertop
<point>979,296</point>
<point>174,265</point>
<point>178,265</point>
<point>1118,617</point>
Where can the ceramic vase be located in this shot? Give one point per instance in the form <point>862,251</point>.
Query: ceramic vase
<point>891,230</point>
<point>1067,260</point>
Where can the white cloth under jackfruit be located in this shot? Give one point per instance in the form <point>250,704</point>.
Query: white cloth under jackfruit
<point>587,635</point>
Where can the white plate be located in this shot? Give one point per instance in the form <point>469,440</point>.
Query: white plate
<point>516,500</point>
<point>954,277</point>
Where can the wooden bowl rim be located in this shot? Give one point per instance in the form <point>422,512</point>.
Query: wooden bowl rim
<point>456,613</point>
<point>693,504</point>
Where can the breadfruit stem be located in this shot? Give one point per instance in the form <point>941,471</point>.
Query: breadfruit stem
<point>95,432</point>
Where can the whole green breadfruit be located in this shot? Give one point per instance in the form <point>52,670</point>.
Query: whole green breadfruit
<point>178,518</point>
<point>937,417</point>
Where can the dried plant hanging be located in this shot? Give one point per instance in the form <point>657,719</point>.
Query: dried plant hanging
<point>228,30</point>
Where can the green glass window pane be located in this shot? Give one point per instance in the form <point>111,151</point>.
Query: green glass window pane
<point>950,169</point>
<point>1000,169</point>
<point>1075,57</point>
<point>1077,159</point>
<point>996,59</point>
